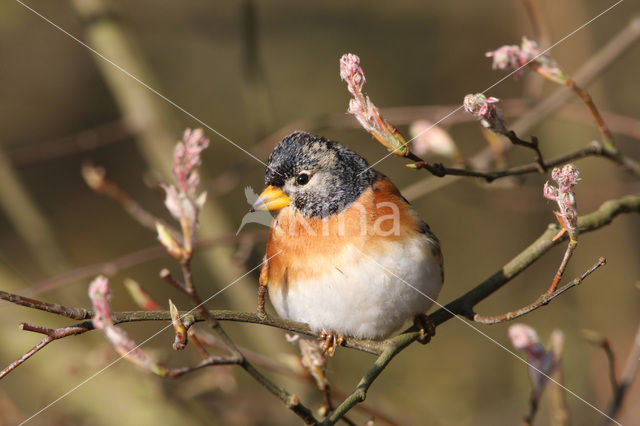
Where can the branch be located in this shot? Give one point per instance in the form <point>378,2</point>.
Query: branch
<point>52,308</point>
<point>544,299</point>
<point>369,346</point>
<point>531,145</point>
<point>590,222</point>
<point>51,335</point>
<point>593,149</point>
<point>602,342</point>
<point>629,373</point>
<point>464,304</point>
<point>387,349</point>
<point>96,178</point>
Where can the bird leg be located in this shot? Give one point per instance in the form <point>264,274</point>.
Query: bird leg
<point>426,327</point>
<point>262,289</point>
<point>330,341</point>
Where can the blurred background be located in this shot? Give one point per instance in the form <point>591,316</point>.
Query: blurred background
<point>255,71</point>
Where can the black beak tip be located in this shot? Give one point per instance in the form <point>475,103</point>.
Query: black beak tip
<point>252,210</point>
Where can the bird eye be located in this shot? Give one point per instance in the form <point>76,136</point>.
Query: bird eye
<point>302,179</point>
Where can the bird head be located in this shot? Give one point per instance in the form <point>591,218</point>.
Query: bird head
<point>313,175</point>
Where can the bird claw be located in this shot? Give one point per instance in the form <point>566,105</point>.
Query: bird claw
<point>330,341</point>
<point>426,327</point>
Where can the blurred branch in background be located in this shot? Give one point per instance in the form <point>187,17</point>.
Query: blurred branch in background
<point>116,132</point>
<point>151,121</point>
<point>628,374</point>
<point>114,266</point>
<point>595,338</point>
<point>86,140</point>
<point>28,221</point>
<point>543,363</point>
<point>532,87</point>
<point>258,99</point>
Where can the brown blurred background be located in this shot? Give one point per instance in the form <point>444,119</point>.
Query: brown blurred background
<point>248,69</point>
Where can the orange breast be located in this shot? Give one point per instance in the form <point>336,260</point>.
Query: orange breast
<point>311,247</point>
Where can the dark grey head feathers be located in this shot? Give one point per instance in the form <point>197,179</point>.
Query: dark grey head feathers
<point>320,177</point>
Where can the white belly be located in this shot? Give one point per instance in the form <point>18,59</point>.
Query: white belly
<point>365,296</point>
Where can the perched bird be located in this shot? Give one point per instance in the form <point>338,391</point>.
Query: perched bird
<point>346,254</point>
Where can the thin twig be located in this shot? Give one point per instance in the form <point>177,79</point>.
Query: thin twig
<point>165,274</point>
<point>544,299</point>
<point>51,335</point>
<point>602,342</point>
<point>607,137</point>
<point>53,308</point>
<point>629,372</point>
<point>437,169</point>
<point>531,145</point>
<point>211,361</point>
<point>610,148</point>
<point>571,247</point>
<point>97,180</point>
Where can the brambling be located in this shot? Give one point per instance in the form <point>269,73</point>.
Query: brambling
<point>347,254</point>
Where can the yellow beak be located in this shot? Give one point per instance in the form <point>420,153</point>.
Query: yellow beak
<point>271,198</point>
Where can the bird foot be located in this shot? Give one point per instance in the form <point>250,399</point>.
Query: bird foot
<point>426,327</point>
<point>330,341</point>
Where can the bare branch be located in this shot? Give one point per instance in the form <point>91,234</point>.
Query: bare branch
<point>51,335</point>
<point>53,308</point>
<point>541,301</point>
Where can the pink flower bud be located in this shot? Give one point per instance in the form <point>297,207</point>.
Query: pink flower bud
<point>182,200</point>
<point>507,57</point>
<point>542,362</point>
<point>523,337</point>
<point>365,111</point>
<point>566,178</point>
<point>351,73</point>
<point>527,54</point>
<point>483,109</point>
<point>100,296</point>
